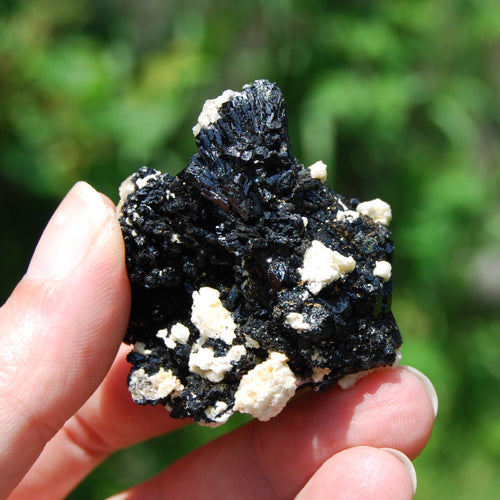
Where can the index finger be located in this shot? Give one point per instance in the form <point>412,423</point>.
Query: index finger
<point>389,408</point>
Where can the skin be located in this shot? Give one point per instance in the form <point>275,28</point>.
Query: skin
<point>64,406</point>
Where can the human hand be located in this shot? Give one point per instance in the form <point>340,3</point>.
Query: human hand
<point>64,403</point>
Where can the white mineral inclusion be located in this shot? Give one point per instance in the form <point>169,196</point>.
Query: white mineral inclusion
<point>318,170</point>
<point>378,210</point>
<point>153,387</point>
<point>319,373</point>
<point>322,266</point>
<point>142,181</point>
<point>383,270</point>
<point>264,391</point>
<point>210,111</point>
<point>211,318</point>
<point>140,348</point>
<point>127,187</point>
<point>350,380</point>
<point>163,334</point>
<point>203,361</point>
<point>346,215</point>
<point>178,334</point>
<point>217,414</point>
<point>251,343</point>
<point>296,321</point>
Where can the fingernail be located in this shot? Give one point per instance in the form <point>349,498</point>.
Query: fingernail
<point>69,234</point>
<point>407,463</point>
<point>428,385</point>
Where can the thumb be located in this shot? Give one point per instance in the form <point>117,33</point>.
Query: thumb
<point>61,327</point>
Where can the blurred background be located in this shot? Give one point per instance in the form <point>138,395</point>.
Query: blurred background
<point>401,100</point>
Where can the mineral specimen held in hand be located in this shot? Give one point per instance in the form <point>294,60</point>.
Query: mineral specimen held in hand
<point>250,276</point>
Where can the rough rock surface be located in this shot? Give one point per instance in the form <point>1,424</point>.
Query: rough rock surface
<point>250,276</point>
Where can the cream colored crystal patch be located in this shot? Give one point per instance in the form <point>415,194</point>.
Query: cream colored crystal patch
<point>203,361</point>
<point>140,348</point>
<point>179,334</point>
<point>350,380</point>
<point>383,269</point>
<point>142,181</point>
<point>219,414</point>
<point>264,391</point>
<point>322,266</point>
<point>211,318</point>
<point>346,215</point>
<point>153,387</point>
<point>378,210</point>
<point>210,111</point>
<point>318,171</point>
<point>127,187</point>
<point>296,321</point>
<point>319,373</point>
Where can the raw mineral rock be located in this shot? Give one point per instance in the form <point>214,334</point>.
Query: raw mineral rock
<point>250,277</point>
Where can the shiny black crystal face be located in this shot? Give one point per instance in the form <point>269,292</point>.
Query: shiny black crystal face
<point>244,254</point>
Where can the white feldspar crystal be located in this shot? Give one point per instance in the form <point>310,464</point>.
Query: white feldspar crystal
<point>319,373</point>
<point>383,270</point>
<point>179,334</point>
<point>203,361</point>
<point>210,111</point>
<point>142,181</point>
<point>140,348</point>
<point>211,318</point>
<point>264,391</point>
<point>153,387</point>
<point>251,342</point>
<point>322,266</point>
<point>316,356</point>
<point>163,334</point>
<point>346,215</point>
<point>399,355</point>
<point>296,321</point>
<point>378,210</point>
<point>350,380</point>
<point>318,170</point>
<point>127,187</point>
<point>218,414</point>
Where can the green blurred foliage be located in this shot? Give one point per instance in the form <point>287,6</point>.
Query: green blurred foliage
<point>400,98</point>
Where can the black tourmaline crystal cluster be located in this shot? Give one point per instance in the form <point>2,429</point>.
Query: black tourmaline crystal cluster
<point>250,277</point>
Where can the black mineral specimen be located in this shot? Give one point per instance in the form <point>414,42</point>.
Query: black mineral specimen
<point>250,276</point>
